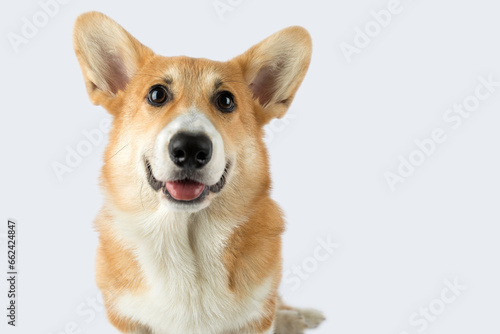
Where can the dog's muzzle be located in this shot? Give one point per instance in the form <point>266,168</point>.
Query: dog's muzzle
<point>190,152</point>
<point>188,160</point>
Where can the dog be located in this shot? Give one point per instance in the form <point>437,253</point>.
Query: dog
<point>189,238</point>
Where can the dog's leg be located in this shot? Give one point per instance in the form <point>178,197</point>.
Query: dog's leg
<point>125,325</point>
<point>313,318</point>
<point>290,320</point>
<point>267,331</point>
<point>142,330</point>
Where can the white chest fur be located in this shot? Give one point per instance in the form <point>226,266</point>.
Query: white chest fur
<point>181,258</point>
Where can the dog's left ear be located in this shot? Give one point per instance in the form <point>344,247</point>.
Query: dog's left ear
<point>275,68</point>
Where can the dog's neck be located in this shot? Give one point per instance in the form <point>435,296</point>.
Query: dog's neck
<point>176,247</point>
<point>163,230</point>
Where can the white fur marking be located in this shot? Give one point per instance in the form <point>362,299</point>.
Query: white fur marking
<point>181,257</point>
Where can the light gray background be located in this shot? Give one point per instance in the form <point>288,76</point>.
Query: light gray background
<point>349,124</point>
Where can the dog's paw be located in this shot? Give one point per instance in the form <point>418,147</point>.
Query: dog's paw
<point>312,318</point>
<point>295,321</point>
<point>289,322</point>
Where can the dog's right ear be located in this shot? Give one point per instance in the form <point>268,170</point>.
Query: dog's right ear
<point>108,55</point>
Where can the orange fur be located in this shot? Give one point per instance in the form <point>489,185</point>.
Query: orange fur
<point>116,270</point>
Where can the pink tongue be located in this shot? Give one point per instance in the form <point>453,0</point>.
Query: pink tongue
<point>185,190</point>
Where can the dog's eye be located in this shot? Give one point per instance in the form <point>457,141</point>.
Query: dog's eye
<point>225,102</point>
<point>158,95</point>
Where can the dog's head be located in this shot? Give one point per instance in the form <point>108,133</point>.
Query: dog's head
<point>187,131</point>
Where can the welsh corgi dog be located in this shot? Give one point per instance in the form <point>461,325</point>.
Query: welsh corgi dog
<point>189,238</point>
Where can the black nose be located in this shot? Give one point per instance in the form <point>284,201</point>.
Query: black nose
<point>190,150</point>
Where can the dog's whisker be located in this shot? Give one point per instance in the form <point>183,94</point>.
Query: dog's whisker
<point>140,193</point>
<point>117,152</point>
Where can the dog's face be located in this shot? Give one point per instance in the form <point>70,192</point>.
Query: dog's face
<point>187,131</point>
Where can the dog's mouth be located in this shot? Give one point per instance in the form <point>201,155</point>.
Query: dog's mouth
<point>185,189</point>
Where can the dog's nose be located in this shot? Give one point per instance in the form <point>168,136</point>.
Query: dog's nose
<point>190,151</point>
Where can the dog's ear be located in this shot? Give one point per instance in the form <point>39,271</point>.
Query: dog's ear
<point>275,68</point>
<point>108,55</point>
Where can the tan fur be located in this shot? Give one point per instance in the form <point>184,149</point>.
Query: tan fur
<point>118,72</point>
<point>116,270</point>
